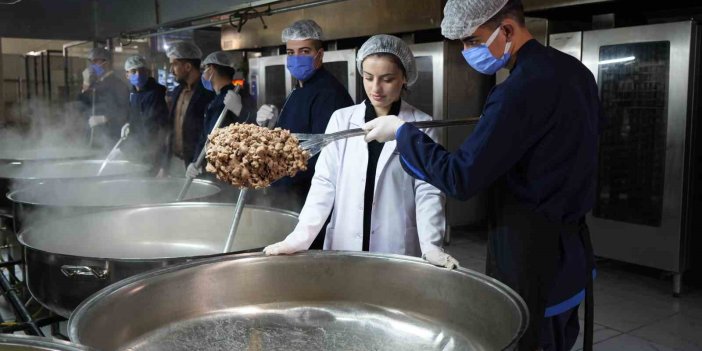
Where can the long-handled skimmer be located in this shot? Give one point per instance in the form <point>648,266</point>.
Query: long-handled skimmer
<point>314,143</point>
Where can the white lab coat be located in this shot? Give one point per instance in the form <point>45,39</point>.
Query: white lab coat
<point>408,215</point>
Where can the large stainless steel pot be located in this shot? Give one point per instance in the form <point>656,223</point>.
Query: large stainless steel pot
<point>58,199</point>
<point>17,175</point>
<point>28,153</point>
<point>70,258</point>
<point>34,343</point>
<point>310,301</point>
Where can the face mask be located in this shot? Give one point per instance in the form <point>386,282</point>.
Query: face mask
<point>98,69</point>
<point>301,67</point>
<point>206,83</point>
<point>481,59</point>
<point>138,80</point>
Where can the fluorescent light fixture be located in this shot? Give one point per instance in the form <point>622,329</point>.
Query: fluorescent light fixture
<point>618,60</point>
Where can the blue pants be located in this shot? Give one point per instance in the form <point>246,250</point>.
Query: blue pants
<point>559,333</point>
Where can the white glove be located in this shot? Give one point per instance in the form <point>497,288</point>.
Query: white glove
<point>279,248</point>
<point>192,171</point>
<point>232,101</point>
<point>125,130</point>
<point>95,121</point>
<point>382,129</point>
<point>88,77</point>
<point>441,259</point>
<point>267,116</point>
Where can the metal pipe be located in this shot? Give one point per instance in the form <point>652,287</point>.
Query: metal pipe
<point>156,32</point>
<point>18,306</point>
<point>237,218</point>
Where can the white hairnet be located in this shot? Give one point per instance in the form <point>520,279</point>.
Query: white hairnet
<point>134,62</point>
<point>463,17</point>
<point>99,54</point>
<point>389,44</point>
<point>219,58</point>
<point>302,30</point>
<point>184,50</point>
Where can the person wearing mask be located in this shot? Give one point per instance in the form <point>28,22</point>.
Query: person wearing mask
<point>190,100</point>
<point>536,147</point>
<point>106,97</point>
<point>217,77</point>
<point>148,114</point>
<point>311,104</point>
<point>377,206</point>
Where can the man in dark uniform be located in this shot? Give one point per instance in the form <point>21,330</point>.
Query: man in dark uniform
<point>536,147</point>
<point>190,100</point>
<point>310,106</point>
<point>106,97</point>
<point>217,77</point>
<point>148,114</point>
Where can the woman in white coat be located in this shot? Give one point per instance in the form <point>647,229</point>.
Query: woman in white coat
<point>377,206</point>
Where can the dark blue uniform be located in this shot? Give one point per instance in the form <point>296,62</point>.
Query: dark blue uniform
<point>536,148</point>
<point>215,108</point>
<point>111,101</point>
<point>193,121</point>
<point>308,110</point>
<point>148,115</point>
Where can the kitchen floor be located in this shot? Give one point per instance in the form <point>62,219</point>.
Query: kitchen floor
<point>634,307</point>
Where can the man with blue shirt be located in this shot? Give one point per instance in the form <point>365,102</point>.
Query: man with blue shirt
<point>536,148</point>
<point>310,106</point>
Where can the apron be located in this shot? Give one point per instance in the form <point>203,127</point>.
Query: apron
<point>548,264</point>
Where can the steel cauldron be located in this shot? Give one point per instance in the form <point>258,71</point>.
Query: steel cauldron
<point>317,300</point>
<point>68,259</point>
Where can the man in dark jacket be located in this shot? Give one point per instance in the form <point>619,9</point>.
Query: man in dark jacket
<point>106,97</point>
<point>190,100</point>
<point>148,114</point>
<point>217,77</point>
<point>310,106</point>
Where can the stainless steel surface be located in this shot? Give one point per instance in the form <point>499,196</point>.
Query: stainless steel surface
<point>314,143</point>
<point>570,43</point>
<point>68,259</point>
<point>13,342</point>
<point>539,5</point>
<point>349,58</point>
<point>430,77</point>
<point>309,301</point>
<point>237,219</point>
<point>28,153</point>
<point>654,246</point>
<point>68,170</point>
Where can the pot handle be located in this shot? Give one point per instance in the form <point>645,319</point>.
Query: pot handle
<point>72,271</point>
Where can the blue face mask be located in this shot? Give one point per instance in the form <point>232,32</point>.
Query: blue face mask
<point>481,59</point>
<point>98,69</point>
<point>206,83</point>
<point>138,80</point>
<point>301,67</point>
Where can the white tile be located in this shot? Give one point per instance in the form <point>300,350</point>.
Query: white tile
<point>681,331</point>
<point>626,342</point>
<point>626,315</point>
<point>601,333</point>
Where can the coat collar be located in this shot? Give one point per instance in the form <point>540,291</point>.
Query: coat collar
<point>358,116</point>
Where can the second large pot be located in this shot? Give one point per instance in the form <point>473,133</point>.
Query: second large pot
<point>69,259</point>
<point>53,199</point>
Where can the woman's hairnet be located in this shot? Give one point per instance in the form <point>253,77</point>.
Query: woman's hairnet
<point>302,30</point>
<point>463,17</point>
<point>134,62</point>
<point>389,44</point>
<point>184,50</point>
<point>219,58</point>
<point>99,54</point>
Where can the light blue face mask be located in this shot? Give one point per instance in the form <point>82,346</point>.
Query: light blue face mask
<point>481,59</point>
<point>301,66</point>
<point>98,69</point>
<point>138,80</point>
<point>206,83</point>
